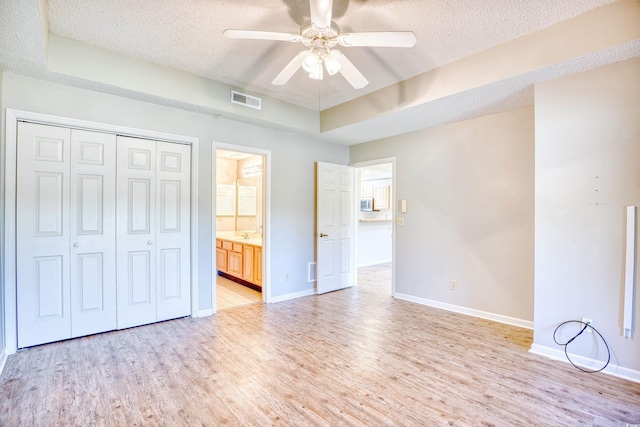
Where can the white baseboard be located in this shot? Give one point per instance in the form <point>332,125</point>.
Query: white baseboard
<point>3,360</point>
<point>468,311</point>
<point>205,313</point>
<point>293,295</point>
<point>585,362</point>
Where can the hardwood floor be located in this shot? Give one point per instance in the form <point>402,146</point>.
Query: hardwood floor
<point>351,357</point>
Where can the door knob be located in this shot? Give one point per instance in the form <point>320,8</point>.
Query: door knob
<point>149,242</point>
<point>324,235</point>
<point>76,244</point>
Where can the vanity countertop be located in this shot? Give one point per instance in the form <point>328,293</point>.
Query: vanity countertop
<point>254,241</point>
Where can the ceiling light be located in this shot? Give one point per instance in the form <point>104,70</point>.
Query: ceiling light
<point>312,61</point>
<point>252,170</point>
<point>317,72</point>
<point>312,64</point>
<point>332,64</point>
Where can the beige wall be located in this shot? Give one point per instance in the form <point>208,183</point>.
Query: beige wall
<point>469,191</point>
<point>587,171</point>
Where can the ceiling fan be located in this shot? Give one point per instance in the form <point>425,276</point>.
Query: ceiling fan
<point>320,36</point>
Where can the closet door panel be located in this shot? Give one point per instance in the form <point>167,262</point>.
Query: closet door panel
<point>139,279</point>
<point>42,228</point>
<point>48,271</point>
<point>136,234</point>
<point>170,274</point>
<point>93,231</point>
<point>90,282</point>
<point>174,231</point>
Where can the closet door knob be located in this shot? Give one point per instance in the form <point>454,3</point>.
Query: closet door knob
<point>76,244</point>
<point>149,242</point>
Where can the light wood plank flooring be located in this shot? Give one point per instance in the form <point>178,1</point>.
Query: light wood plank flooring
<point>230,294</point>
<point>347,358</point>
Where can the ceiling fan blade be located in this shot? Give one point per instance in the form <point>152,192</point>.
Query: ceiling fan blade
<point>349,71</point>
<point>290,69</point>
<point>380,38</point>
<point>321,11</point>
<point>262,35</point>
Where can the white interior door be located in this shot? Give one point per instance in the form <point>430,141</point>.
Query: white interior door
<point>153,229</point>
<point>42,227</point>
<point>335,227</point>
<point>92,232</point>
<point>173,231</point>
<point>70,232</point>
<point>136,232</point>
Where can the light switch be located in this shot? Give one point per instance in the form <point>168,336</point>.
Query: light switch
<point>400,220</point>
<point>403,206</point>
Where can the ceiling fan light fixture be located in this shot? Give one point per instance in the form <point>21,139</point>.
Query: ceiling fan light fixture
<point>317,72</point>
<point>332,64</point>
<point>321,35</point>
<point>312,62</point>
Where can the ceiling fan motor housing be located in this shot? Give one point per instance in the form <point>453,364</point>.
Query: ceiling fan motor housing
<point>313,36</point>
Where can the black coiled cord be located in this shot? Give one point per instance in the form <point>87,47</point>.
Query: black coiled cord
<point>566,344</point>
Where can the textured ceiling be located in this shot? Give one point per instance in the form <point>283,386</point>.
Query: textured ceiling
<point>187,35</point>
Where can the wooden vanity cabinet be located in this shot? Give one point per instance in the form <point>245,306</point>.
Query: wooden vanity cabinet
<point>221,257</point>
<point>257,266</point>
<point>247,262</point>
<point>239,260</point>
<point>234,259</point>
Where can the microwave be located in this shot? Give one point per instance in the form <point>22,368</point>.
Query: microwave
<point>366,204</point>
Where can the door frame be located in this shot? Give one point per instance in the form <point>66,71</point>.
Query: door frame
<point>11,141</point>
<point>266,214</point>
<point>394,212</point>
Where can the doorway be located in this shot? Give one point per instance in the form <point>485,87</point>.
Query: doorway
<point>240,192</point>
<point>375,226</point>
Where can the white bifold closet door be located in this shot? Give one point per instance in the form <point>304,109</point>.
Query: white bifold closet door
<point>65,233</point>
<point>153,231</point>
<point>103,232</point>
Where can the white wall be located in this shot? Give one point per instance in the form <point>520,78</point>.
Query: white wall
<point>293,167</point>
<point>469,191</point>
<point>2,180</point>
<point>587,171</point>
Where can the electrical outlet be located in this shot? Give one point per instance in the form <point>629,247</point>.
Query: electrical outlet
<point>400,220</point>
<point>588,321</point>
<point>454,285</point>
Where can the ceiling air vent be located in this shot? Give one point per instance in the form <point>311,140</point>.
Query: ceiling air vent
<point>246,100</point>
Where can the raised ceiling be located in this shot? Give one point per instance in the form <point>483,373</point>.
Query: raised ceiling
<point>187,35</point>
